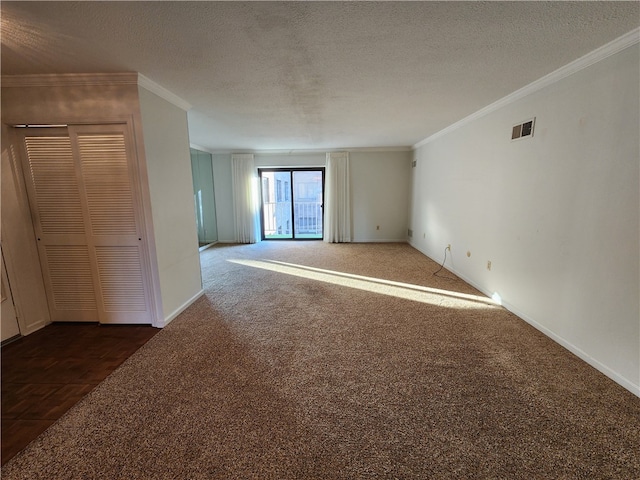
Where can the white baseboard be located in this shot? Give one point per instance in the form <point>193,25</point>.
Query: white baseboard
<point>379,240</point>
<point>613,375</point>
<point>635,389</point>
<point>179,310</point>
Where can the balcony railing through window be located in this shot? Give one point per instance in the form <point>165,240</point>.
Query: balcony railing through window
<point>278,221</point>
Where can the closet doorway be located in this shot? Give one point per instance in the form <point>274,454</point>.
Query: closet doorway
<point>84,196</point>
<point>292,203</point>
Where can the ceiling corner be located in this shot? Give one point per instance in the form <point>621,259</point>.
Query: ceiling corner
<point>163,93</point>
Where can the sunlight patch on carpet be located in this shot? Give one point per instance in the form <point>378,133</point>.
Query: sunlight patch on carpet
<point>407,291</point>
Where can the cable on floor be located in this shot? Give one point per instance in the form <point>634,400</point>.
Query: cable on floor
<point>442,266</point>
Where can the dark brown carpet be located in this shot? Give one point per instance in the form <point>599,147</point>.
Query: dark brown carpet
<point>273,375</point>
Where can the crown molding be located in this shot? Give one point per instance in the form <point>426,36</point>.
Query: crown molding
<point>92,79</point>
<point>195,146</point>
<point>69,79</point>
<point>310,151</point>
<point>163,92</point>
<point>625,41</point>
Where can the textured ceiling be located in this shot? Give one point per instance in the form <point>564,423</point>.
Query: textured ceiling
<point>314,75</point>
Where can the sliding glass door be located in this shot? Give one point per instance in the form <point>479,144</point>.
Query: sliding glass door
<point>292,203</point>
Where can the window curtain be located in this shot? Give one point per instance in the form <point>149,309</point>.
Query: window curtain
<point>337,200</point>
<point>245,198</point>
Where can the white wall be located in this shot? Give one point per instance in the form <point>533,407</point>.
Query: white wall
<point>556,214</point>
<point>380,187</point>
<point>168,162</point>
<point>311,159</point>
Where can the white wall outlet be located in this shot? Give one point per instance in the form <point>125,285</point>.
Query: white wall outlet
<point>489,265</point>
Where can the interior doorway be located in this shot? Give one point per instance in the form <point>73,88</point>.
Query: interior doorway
<point>292,203</point>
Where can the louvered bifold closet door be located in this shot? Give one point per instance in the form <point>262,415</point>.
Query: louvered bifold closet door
<point>108,175</point>
<point>54,195</point>
<point>83,189</point>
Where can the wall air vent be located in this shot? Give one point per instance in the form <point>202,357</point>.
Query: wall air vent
<point>523,130</point>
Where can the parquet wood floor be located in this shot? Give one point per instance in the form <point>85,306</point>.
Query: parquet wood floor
<point>44,374</point>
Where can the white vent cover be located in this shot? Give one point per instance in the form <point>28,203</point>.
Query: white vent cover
<point>523,130</point>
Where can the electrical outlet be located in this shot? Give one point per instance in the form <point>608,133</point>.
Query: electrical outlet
<point>377,227</point>
<point>449,247</point>
<point>489,265</point>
